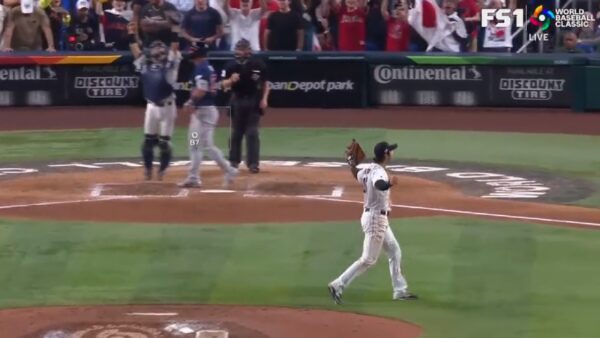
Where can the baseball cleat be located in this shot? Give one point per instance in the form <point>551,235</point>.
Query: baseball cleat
<point>189,184</point>
<point>230,177</point>
<point>405,295</point>
<point>161,175</point>
<point>254,170</point>
<point>147,175</point>
<point>335,294</point>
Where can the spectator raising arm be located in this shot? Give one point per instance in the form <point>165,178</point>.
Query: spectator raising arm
<point>300,38</point>
<point>385,9</point>
<point>48,35</point>
<point>263,7</point>
<point>7,36</point>
<point>3,15</point>
<point>134,47</point>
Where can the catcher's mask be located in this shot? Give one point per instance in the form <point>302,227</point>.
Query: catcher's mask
<point>157,52</point>
<point>382,149</point>
<point>242,51</point>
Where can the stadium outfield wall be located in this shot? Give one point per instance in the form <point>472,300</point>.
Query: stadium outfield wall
<point>323,79</point>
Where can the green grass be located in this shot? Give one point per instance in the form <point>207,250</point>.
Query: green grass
<point>476,279</point>
<point>570,155</point>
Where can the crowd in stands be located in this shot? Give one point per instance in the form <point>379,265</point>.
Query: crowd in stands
<point>271,25</point>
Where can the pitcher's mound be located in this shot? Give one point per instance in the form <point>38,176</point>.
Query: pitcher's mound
<point>164,321</point>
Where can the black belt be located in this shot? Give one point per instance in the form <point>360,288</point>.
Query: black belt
<point>162,104</point>
<point>382,212</point>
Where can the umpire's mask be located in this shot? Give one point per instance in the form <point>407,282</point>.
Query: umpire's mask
<point>242,51</point>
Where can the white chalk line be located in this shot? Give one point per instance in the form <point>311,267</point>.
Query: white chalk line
<point>336,192</point>
<point>465,212</point>
<point>98,189</point>
<point>324,198</point>
<point>41,204</point>
<point>156,314</point>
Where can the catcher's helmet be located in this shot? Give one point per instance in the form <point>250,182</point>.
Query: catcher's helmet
<point>157,52</point>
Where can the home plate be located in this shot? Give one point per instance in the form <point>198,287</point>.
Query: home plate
<point>212,334</point>
<point>216,191</point>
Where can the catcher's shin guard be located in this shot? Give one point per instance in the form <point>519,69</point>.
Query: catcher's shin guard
<point>150,142</point>
<point>166,152</point>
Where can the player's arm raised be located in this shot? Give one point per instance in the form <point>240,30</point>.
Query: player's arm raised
<point>133,43</point>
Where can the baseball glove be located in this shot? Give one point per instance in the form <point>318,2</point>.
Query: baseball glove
<point>354,154</point>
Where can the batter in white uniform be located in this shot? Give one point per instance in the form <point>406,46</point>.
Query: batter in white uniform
<point>375,225</point>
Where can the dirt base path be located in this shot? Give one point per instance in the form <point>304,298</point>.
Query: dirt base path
<point>527,120</point>
<point>159,321</point>
<point>278,194</point>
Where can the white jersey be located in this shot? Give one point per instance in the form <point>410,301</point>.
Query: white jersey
<point>375,199</point>
<point>245,27</point>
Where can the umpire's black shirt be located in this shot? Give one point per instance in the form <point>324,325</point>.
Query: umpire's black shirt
<point>253,77</point>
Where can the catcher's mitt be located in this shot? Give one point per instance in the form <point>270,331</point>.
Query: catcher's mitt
<point>354,154</point>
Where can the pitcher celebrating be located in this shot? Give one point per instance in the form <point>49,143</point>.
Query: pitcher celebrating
<point>375,225</point>
<point>203,119</point>
<point>158,68</point>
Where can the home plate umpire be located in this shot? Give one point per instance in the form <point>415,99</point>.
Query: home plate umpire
<point>246,77</point>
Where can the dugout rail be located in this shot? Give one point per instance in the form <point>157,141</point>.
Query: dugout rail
<point>303,79</point>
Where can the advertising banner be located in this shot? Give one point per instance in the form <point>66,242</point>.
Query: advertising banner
<point>316,83</point>
<point>532,86</point>
<point>105,84</point>
<point>453,85</point>
<point>32,85</point>
<point>298,83</point>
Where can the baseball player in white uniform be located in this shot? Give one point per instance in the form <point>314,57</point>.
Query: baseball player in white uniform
<point>375,225</point>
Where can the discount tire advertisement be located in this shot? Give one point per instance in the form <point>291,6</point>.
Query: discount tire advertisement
<point>532,86</point>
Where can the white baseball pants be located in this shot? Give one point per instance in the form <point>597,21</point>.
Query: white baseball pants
<point>160,120</point>
<point>201,138</point>
<point>378,235</point>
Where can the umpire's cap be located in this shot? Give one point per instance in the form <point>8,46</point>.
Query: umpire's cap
<point>243,44</point>
<point>383,148</point>
<point>198,51</point>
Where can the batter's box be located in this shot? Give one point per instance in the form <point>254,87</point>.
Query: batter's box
<point>298,189</point>
<point>138,190</point>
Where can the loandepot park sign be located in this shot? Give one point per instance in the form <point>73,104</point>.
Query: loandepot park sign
<point>495,185</point>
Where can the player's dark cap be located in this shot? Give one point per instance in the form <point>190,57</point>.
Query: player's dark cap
<point>243,44</point>
<point>383,148</point>
<point>198,51</point>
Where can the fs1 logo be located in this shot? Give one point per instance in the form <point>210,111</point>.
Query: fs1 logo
<point>503,18</point>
